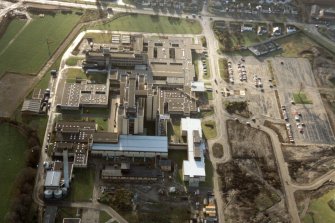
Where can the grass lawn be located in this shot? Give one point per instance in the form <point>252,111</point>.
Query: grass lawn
<point>151,24</point>
<point>73,73</point>
<point>248,39</point>
<point>223,67</point>
<point>103,217</point>
<point>209,95</point>
<point>12,147</point>
<point>178,156</point>
<point>82,184</point>
<point>209,129</point>
<point>37,43</point>
<point>293,45</point>
<point>72,61</point>
<point>301,98</point>
<point>102,123</point>
<point>320,210</point>
<point>209,174</point>
<point>37,123</point>
<point>12,29</point>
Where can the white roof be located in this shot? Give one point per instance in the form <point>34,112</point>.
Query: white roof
<point>136,143</point>
<point>191,167</point>
<point>53,179</point>
<point>198,86</point>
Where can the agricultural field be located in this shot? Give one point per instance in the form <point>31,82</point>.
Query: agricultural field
<point>12,147</point>
<point>33,48</point>
<point>151,24</point>
<point>14,27</point>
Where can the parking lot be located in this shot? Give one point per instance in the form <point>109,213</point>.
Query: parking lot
<point>288,76</point>
<point>294,76</point>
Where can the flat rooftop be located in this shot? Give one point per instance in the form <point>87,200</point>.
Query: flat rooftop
<point>135,143</point>
<point>192,167</point>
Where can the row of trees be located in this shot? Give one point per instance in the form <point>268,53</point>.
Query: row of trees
<point>21,202</point>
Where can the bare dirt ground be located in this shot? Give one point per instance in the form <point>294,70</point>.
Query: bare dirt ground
<point>306,163</point>
<point>250,183</point>
<point>13,88</point>
<point>278,128</point>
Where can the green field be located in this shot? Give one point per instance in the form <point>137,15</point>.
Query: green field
<point>12,147</point>
<point>82,184</point>
<point>104,217</point>
<point>209,129</point>
<point>319,210</point>
<point>301,98</point>
<point>12,29</point>
<point>35,45</point>
<point>151,24</point>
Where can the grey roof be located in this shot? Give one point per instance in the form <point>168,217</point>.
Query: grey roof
<point>31,105</point>
<point>135,143</point>
<point>53,179</point>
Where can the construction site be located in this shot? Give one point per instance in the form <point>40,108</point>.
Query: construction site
<point>250,181</point>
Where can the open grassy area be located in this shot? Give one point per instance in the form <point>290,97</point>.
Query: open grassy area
<point>177,156</point>
<point>72,61</point>
<point>103,217</point>
<point>319,210</point>
<point>13,28</point>
<point>301,98</point>
<point>246,39</point>
<point>82,184</point>
<point>35,45</point>
<point>12,147</point>
<point>209,129</point>
<point>73,73</point>
<point>151,24</point>
<point>295,44</point>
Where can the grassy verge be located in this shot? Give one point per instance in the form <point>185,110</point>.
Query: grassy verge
<point>209,129</point>
<point>12,160</point>
<point>209,174</point>
<point>301,98</point>
<point>35,45</point>
<point>319,210</point>
<point>223,67</point>
<point>82,185</point>
<point>73,61</point>
<point>177,156</point>
<point>151,24</point>
<point>104,217</point>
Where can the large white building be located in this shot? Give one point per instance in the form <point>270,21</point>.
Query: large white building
<point>194,167</point>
